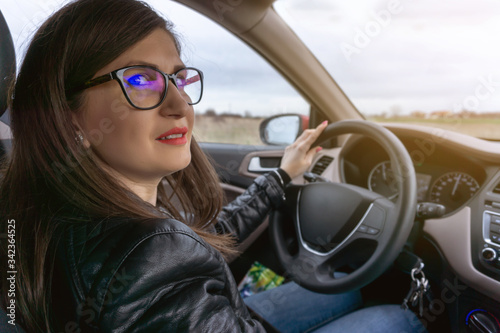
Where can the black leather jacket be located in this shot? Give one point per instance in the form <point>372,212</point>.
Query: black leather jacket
<point>156,275</point>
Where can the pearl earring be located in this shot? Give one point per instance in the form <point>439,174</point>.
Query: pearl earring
<point>79,138</point>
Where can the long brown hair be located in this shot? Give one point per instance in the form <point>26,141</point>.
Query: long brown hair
<point>49,171</point>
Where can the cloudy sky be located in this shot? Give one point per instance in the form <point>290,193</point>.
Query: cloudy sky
<point>388,56</point>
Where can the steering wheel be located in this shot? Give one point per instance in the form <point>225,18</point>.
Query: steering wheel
<point>336,224</point>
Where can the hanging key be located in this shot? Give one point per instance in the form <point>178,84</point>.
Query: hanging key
<point>427,291</point>
<point>424,288</point>
<point>418,287</point>
<point>416,296</point>
<point>421,298</point>
<point>412,294</point>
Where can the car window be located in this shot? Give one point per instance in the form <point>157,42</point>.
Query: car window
<point>240,87</point>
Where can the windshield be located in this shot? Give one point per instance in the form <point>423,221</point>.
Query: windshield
<point>421,62</point>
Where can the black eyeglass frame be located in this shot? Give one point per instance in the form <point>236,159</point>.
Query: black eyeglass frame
<point>118,76</point>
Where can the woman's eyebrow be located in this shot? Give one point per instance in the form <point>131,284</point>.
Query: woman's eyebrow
<point>145,63</point>
<point>179,67</point>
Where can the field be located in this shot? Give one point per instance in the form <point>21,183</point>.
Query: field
<point>227,129</point>
<point>487,128</point>
<point>239,130</point>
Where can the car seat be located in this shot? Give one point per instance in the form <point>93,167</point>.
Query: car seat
<point>7,73</point>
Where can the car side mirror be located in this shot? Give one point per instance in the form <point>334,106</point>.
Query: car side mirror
<point>283,129</point>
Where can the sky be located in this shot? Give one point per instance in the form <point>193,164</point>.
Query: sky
<point>392,56</point>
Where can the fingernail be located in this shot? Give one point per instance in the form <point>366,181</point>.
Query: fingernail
<point>319,148</point>
<point>325,122</point>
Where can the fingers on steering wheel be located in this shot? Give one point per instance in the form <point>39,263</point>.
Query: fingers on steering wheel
<point>312,152</point>
<point>310,135</point>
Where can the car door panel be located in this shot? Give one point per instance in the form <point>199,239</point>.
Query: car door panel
<point>232,161</point>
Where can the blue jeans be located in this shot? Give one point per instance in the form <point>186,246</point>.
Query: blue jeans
<point>291,308</point>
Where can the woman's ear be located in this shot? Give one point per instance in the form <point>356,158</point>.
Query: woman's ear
<point>80,136</point>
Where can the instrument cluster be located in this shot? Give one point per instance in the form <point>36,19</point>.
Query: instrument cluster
<point>443,176</point>
<point>451,189</point>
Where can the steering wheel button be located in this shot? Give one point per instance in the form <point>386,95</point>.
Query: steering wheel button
<point>495,228</point>
<point>495,219</point>
<point>372,231</point>
<point>495,238</point>
<point>363,228</point>
<point>375,218</point>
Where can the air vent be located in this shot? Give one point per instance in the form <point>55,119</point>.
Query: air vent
<point>496,189</point>
<point>322,164</point>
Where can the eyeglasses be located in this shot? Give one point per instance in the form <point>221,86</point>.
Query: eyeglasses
<point>146,87</point>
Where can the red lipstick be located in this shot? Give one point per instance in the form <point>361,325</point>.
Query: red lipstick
<point>175,136</point>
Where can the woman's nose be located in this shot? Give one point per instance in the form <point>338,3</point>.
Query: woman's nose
<point>174,104</point>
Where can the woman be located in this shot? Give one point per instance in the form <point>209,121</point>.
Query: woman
<point>100,134</point>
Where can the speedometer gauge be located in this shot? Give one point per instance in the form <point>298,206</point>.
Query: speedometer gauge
<point>383,181</point>
<point>453,189</point>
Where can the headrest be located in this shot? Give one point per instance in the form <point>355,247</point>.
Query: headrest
<point>7,62</point>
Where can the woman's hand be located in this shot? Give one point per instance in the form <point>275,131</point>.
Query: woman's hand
<point>299,155</point>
